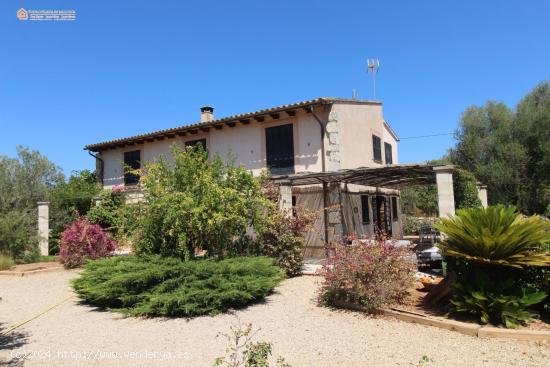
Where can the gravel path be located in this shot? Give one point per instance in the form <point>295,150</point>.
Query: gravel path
<point>302,332</point>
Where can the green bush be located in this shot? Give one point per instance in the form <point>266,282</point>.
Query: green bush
<point>496,235</point>
<point>106,212</point>
<point>18,234</point>
<point>412,224</point>
<point>6,262</point>
<point>538,278</point>
<point>166,286</point>
<point>197,203</point>
<point>465,189</point>
<point>501,301</point>
<point>120,218</point>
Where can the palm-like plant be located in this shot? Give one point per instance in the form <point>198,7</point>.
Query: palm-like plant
<point>496,235</point>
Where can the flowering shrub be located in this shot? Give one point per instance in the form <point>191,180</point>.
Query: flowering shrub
<point>82,241</point>
<point>369,274</point>
<point>282,236</point>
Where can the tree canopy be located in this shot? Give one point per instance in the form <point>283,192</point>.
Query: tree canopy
<point>24,181</point>
<point>509,150</point>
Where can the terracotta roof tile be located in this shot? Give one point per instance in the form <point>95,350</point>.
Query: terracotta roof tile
<point>184,128</point>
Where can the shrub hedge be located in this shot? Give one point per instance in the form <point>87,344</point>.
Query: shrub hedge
<point>151,285</point>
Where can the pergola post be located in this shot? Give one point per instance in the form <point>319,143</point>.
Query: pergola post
<point>334,211</point>
<point>445,193</point>
<point>285,198</point>
<point>482,194</point>
<point>43,227</point>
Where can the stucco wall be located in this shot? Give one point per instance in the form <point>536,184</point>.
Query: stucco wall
<point>243,143</point>
<point>357,124</point>
<point>348,142</point>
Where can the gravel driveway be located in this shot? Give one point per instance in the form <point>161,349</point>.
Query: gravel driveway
<point>305,334</point>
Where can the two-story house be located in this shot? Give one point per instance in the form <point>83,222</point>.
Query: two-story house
<point>320,135</point>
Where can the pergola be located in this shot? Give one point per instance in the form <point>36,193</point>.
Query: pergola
<point>394,176</point>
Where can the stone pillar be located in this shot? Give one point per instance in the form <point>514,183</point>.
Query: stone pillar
<point>285,199</point>
<point>335,220</point>
<point>43,227</point>
<point>445,193</point>
<point>482,194</point>
<point>332,149</point>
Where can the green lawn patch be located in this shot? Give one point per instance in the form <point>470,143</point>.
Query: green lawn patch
<point>165,286</point>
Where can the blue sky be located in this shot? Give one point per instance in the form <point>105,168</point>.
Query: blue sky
<point>128,67</point>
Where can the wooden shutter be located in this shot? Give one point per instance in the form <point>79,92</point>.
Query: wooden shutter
<point>388,153</point>
<point>376,148</point>
<point>279,146</point>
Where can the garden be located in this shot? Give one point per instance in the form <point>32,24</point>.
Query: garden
<point>497,272</point>
<point>209,238</point>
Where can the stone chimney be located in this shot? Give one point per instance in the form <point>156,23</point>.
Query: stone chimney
<point>207,114</point>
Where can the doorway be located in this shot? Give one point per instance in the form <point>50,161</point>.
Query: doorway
<point>382,215</point>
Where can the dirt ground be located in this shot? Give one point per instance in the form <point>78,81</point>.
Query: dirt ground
<point>304,333</point>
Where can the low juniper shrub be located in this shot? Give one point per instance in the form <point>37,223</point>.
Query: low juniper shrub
<point>83,241</point>
<point>153,285</point>
<point>370,274</point>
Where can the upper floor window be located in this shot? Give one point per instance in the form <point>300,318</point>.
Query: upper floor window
<point>365,213</point>
<point>279,148</point>
<point>377,148</point>
<point>194,143</point>
<point>388,153</point>
<point>132,161</point>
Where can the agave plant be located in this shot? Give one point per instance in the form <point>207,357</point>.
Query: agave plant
<point>496,235</point>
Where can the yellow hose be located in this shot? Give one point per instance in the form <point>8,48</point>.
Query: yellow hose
<point>35,317</point>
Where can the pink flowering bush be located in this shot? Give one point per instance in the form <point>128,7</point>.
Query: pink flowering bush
<point>82,241</point>
<point>369,274</point>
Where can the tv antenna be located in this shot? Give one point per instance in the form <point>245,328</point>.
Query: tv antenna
<point>372,68</point>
